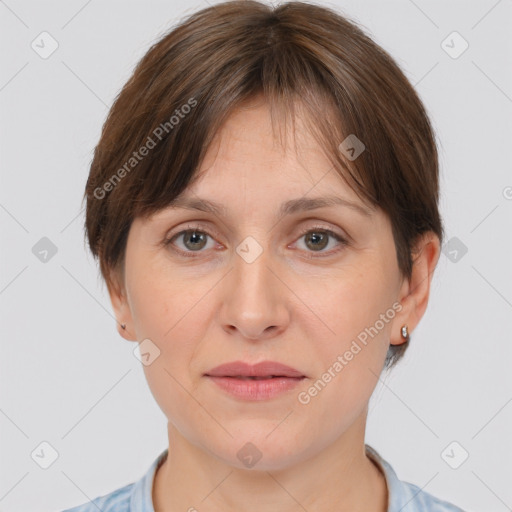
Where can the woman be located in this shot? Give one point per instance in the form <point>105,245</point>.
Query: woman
<point>263,203</point>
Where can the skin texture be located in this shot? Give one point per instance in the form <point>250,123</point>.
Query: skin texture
<point>214,307</point>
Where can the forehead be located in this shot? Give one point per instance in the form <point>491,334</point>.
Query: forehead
<point>251,157</point>
<point>250,131</point>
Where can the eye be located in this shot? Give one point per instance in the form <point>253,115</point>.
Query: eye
<point>316,239</point>
<point>192,240</point>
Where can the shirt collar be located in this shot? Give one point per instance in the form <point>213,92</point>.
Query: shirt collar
<point>394,485</point>
<point>142,493</point>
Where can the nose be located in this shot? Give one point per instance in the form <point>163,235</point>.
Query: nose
<point>255,301</point>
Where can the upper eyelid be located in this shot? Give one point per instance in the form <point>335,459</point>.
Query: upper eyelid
<point>210,231</point>
<point>195,227</point>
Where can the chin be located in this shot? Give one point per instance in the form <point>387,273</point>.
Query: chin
<point>259,452</point>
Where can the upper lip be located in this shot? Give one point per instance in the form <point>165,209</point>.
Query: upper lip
<point>263,369</point>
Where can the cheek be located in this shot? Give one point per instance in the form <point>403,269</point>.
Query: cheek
<point>158,298</point>
<point>357,308</point>
<point>174,313</point>
<point>349,359</point>
<point>353,301</point>
<point>167,312</point>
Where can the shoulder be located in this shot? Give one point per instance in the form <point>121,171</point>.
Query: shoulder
<point>116,501</point>
<point>133,497</point>
<point>407,497</point>
<point>414,499</point>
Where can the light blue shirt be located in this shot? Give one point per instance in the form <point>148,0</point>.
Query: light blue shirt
<point>137,496</point>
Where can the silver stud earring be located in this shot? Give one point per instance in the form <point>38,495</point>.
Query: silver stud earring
<point>405,333</point>
<point>123,326</point>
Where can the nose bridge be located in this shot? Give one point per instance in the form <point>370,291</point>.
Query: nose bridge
<point>254,300</point>
<point>252,274</point>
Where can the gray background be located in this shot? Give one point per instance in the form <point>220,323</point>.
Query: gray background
<point>67,378</point>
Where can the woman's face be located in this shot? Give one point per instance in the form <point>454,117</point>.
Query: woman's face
<point>253,285</point>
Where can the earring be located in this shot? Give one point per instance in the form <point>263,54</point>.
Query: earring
<point>405,333</point>
<point>123,326</point>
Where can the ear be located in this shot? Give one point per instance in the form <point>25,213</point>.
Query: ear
<point>119,300</point>
<point>414,292</point>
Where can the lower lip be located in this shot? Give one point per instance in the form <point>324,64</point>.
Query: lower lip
<point>249,389</point>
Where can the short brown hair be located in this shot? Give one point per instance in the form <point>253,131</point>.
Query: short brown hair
<point>297,53</point>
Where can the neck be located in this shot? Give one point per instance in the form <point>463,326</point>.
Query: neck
<point>340,478</point>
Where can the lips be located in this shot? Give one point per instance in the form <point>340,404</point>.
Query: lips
<point>263,370</point>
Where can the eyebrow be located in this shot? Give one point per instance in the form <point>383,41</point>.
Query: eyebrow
<point>287,208</point>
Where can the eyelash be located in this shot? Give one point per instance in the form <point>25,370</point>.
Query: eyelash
<point>199,229</point>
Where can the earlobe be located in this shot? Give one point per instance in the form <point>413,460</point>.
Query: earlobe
<point>414,293</point>
<point>120,305</point>
<point>124,332</point>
